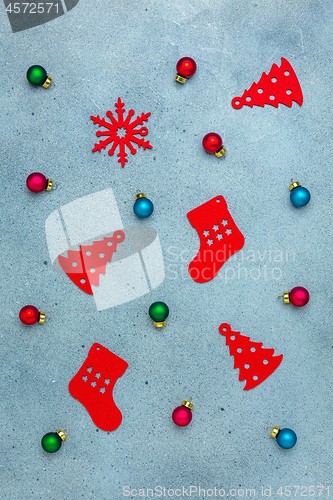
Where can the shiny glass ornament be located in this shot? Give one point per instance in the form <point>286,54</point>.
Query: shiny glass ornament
<point>37,75</point>
<point>30,315</point>
<point>159,312</point>
<point>52,441</point>
<point>286,438</point>
<point>212,143</point>
<point>37,182</point>
<point>186,67</point>
<point>298,296</point>
<point>182,415</point>
<point>143,207</point>
<point>299,196</point>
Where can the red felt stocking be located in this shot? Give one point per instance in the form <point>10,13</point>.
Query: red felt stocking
<point>219,238</point>
<point>93,385</point>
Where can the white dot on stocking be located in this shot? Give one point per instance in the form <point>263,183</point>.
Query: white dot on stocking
<point>246,366</point>
<point>239,350</point>
<point>255,377</point>
<point>232,337</point>
<point>101,255</point>
<point>109,243</point>
<point>92,269</point>
<point>253,349</point>
<point>265,361</point>
<point>74,264</point>
<point>88,252</point>
<point>82,281</point>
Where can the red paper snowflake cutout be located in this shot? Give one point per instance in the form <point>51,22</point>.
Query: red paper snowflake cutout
<point>130,132</point>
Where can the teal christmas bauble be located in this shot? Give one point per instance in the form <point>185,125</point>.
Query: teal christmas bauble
<point>299,195</point>
<point>286,438</point>
<point>143,207</point>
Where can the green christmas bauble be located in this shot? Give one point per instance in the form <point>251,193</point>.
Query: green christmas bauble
<point>36,75</point>
<point>158,312</point>
<point>51,442</point>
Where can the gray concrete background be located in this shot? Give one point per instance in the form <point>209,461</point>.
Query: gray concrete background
<point>96,53</point>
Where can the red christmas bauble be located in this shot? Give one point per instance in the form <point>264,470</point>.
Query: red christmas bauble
<point>299,296</point>
<point>212,142</point>
<point>29,315</point>
<point>36,182</point>
<point>186,67</point>
<point>182,416</point>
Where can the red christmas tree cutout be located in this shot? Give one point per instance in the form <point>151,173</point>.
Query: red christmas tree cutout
<point>280,86</point>
<point>93,385</point>
<point>127,128</point>
<point>255,363</point>
<point>84,266</point>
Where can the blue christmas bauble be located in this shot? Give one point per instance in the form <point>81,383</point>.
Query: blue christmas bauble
<point>286,438</point>
<point>143,208</point>
<point>300,196</point>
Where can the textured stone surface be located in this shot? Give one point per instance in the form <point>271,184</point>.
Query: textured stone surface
<point>95,53</point>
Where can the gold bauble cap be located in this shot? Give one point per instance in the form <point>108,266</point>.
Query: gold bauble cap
<point>180,79</point>
<point>47,82</point>
<point>41,317</point>
<point>49,184</point>
<point>61,434</point>
<point>275,431</point>
<point>140,195</point>
<point>159,324</point>
<point>188,404</point>
<point>220,152</point>
<point>294,185</point>
<point>286,297</point>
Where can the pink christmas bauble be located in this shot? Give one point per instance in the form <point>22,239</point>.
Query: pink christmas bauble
<point>212,142</point>
<point>182,416</point>
<point>299,296</point>
<point>36,182</point>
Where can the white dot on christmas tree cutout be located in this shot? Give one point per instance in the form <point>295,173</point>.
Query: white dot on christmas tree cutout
<point>101,255</point>
<point>92,269</point>
<point>274,80</point>
<point>109,243</point>
<point>288,92</point>
<point>74,264</point>
<point>82,280</point>
<point>248,98</point>
<point>254,362</point>
<point>88,253</point>
<point>272,97</point>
